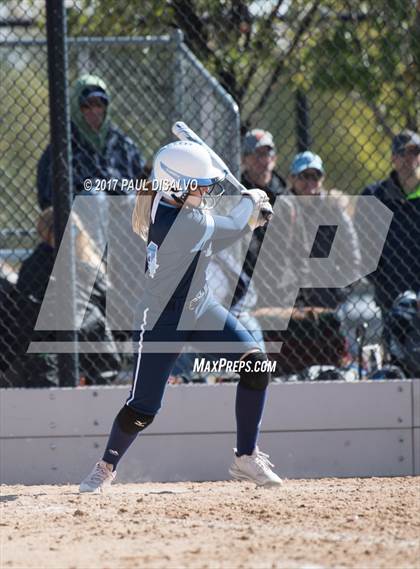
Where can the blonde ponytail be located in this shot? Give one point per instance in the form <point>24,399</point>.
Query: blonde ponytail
<point>140,220</point>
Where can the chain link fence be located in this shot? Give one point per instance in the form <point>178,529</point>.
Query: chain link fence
<point>261,82</point>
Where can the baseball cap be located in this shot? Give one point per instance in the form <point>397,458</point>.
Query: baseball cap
<point>257,138</point>
<point>404,139</point>
<point>304,161</point>
<point>93,91</point>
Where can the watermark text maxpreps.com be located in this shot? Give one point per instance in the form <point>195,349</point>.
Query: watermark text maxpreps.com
<point>202,365</point>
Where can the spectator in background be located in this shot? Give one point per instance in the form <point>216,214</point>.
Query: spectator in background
<point>40,370</point>
<point>313,335</point>
<point>307,176</point>
<point>399,265</point>
<point>259,159</point>
<point>100,149</point>
<point>258,162</point>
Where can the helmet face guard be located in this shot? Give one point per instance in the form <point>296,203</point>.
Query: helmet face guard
<point>209,199</point>
<point>212,197</point>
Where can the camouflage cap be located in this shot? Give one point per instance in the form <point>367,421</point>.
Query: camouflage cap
<point>257,138</point>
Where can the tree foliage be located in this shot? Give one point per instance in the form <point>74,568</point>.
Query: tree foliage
<point>374,54</point>
<point>358,62</point>
<point>369,50</point>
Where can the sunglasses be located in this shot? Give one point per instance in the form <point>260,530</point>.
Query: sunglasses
<point>310,176</point>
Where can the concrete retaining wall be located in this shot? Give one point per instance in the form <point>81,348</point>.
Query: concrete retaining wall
<point>309,430</point>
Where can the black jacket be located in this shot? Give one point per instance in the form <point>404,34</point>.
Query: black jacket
<point>285,248</point>
<point>121,159</point>
<point>41,370</point>
<point>399,265</point>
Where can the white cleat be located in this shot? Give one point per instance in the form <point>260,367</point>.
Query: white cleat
<point>255,468</point>
<point>100,479</point>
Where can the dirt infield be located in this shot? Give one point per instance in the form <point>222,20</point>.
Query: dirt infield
<point>307,524</point>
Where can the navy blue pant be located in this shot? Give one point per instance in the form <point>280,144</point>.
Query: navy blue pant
<point>151,370</point>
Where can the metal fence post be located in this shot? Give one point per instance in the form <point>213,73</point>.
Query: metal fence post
<point>62,178</point>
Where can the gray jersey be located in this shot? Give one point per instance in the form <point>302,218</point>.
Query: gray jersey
<point>180,244</point>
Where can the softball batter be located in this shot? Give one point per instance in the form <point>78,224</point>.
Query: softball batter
<point>181,236</point>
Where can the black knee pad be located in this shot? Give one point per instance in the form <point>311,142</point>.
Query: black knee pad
<point>257,380</point>
<point>131,421</point>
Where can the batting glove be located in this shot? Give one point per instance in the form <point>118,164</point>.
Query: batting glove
<point>262,208</point>
<point>258,196</point>
<point>261,215</point>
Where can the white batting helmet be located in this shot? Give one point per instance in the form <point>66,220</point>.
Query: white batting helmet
<point>184,165</point>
